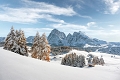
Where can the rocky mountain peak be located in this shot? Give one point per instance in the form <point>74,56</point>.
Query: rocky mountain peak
<point>57,38</point>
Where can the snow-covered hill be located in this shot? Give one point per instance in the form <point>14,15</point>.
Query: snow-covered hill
<point>16,67</point>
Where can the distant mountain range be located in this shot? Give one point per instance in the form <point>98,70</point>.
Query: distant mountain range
<point>29,39</point>
<point>82,42</point>
<point>78,39</point>
<point>2,39</point>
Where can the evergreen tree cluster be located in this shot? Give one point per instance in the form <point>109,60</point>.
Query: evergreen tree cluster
<point>80,60</point>
<point>16,42</point>
<point>74,60</point>
<point>40,48</point>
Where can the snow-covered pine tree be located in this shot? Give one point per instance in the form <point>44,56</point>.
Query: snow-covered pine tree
<point>22,44</point>
<point>15,47</point>
<point>36,49</point>
<point>45,48</point>
<point>74,59</point>
<point>82,60</point>
<point>95,60</point>
<point>90,64</point>
<point>9,41</point>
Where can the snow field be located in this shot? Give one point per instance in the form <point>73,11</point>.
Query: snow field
<point>16,67</point>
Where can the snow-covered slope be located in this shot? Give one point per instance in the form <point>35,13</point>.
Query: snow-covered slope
<point>16,67</point>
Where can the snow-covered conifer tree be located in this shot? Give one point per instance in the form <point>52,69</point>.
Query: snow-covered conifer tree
<point>90,64</point>
<point>82,60</point>
<point>15,47</point>
<point>22,44</point>
<point>95,60</point>
<point>9,41</point>
<point>16,42</point>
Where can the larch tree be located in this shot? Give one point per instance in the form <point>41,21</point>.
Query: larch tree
<point>36,49</point>
<point>45,48</point>
<point>41,48</point>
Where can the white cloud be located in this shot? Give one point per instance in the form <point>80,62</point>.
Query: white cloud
<point>32,11</point>
<point>111,25</point>
<point>68,26</point>
<point>33,31</point>
<point>113,6</point>
<point>83,16</point>
<point>91,24</point>
<point>107,35</point>
<point>99,33</point>
<point>42,7</point>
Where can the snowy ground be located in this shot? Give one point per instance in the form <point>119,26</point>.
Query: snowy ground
<point>16,67</point>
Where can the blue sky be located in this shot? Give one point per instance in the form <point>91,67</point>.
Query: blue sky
<point>96,18</point>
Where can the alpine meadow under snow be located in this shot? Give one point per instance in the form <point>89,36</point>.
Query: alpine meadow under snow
<point>16,67</point>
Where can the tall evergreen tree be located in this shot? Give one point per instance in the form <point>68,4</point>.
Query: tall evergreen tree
<point>9,41</point>
<point>22,44</point>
